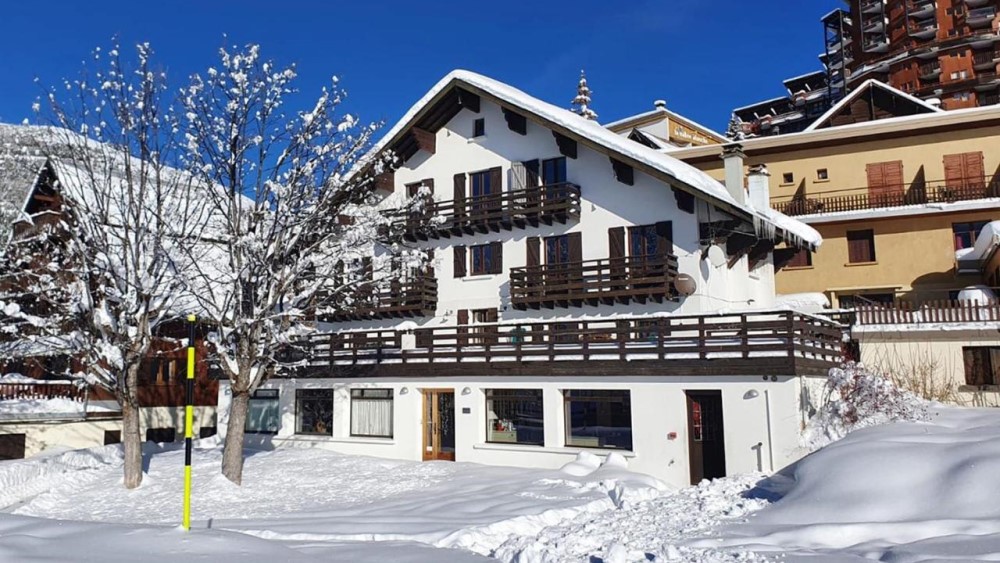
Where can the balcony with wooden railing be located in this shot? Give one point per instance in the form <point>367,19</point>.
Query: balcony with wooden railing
<point>413,297</point>
<point>44,400</point>
<point>594,282</point>
<point>504,211</point>
<point>927,312</point>
<point>917,193</point>
<point>751,344</point>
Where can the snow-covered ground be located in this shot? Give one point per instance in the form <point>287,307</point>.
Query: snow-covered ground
<point>902,492</point>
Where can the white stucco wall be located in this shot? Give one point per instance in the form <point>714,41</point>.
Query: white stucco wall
<point>658,408</point>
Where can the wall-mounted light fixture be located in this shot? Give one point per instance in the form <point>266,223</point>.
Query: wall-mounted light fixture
<point>751,394</point>
<point>466,391</point>
<point>403,390</point>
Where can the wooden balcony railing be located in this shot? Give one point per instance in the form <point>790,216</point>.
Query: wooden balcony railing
<point>950,191</point>
<point>406,298</point>
<point>556,203</point>
<point>593,282</point>
<point>738,343</point>
<point>937,311</point>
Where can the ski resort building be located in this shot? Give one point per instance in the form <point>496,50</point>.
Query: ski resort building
<point>896,187</point>
<point>587,293</point>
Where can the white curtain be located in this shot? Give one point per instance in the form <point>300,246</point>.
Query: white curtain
<point>371,417</point>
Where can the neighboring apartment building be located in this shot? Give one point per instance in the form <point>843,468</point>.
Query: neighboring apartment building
<point>943,49</point>
<point>39,406</point>
<point>588,294</point>
<point>893,198</point>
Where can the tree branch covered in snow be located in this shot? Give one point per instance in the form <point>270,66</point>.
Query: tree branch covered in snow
<point>301,224</point>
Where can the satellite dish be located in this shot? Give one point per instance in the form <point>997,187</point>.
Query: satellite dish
<point>716,256</point>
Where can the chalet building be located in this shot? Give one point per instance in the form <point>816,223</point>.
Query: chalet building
<point>35,372</point>
<point>895,189</point>
<point>661,128</point>
<point>587,294</point>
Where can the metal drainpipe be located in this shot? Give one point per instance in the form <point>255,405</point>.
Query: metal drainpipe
<point>770,444</point>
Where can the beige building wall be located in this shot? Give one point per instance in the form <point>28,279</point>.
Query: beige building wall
<point>930,362</point>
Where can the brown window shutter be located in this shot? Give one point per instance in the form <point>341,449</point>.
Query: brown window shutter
<point>463,316</point>
<point>459,194</point>
<point>860,246</point>
<point>531,168</point>
<point>664,238</point>
<point>366,266</point>
<point>954,170</point>
<point>876,178</point>
<point>616,251</point>
<point>496,180</point>
<point>534,251</point>
<point>975,174</point>
<point>496,250</point>
<point>894,176</point>
<point>429,183</point>
<point>491,315</point>
<point>575,247</point>
<point>460,261</point>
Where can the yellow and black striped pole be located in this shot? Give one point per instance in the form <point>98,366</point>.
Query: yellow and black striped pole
<point>188,421</point>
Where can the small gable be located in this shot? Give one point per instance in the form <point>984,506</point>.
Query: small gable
<point>872,101</point>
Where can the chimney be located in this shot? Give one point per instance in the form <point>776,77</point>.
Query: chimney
<point>758,181</point>
<point>732,156</point>
<point>660,104</point>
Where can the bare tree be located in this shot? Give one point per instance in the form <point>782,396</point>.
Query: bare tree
<point>124,213</point>
<point>301,214</point>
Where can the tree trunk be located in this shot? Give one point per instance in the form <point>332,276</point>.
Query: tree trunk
<point>232,453</point>
<point>132,441</point>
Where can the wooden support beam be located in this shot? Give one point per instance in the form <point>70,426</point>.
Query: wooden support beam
<point>567,146</point>
<point>760,251</point>
<point>468,100</point>
<point>426,141</point>
<point>623,172</point>
<point>685,200</point>
<point>515,122</point>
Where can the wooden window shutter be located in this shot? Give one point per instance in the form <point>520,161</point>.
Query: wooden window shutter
<point>664,238</point>
<point>616,251</point>
<point>964,169</point>
<point>459,194</point>
<point>429,184</point>
<point>531,168</point>
<point>366,267</point>
<point>496,180</point>
<point>860,246</point>
<point>462,337</point>
<point>496,250</point>
<point>575,247</point>
<point>491,315</point>
<point>954,170</point>
<point>460,261</point>
<point>975,174</point>
<point>876,178</point>
<point>463,316</point>
<point>534,251</point>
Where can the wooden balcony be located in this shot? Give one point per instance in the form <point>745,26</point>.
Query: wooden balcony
<point>505,211</point>
<point>594,282</point>
<point>928,312</point>
<point>950,191</point>
<point>416,297</point>
<point>751,344</point>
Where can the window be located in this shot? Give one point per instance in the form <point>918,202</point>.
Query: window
<point>801,259</point>
<point>965,234</point>
<point>643,240</point>
<point>557,250</point>
<point>553,171</point>
<point>598,419</point>
<point>479,127</point>
<point>314,411</point>
<point>161,435</point>
<point>263,415</point>
<point>981,365</point>
<point>861,246</point>
<point>514,416</point>
<point>822,174</point>
<point>161,371</point>
<point>487,258</point>
<point>371,413</point>
<point>480,183</point>
<point>788,178</point>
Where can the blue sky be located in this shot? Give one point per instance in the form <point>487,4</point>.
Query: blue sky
<point>703,57</point>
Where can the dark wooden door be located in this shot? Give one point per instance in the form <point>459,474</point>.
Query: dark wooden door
<point>439,424</point>
<point>706,444</point>
<point>12,446</point>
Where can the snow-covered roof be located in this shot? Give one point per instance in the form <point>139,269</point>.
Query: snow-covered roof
<point>675,172</point>
<point>863,89</point>
<point>762,103</point>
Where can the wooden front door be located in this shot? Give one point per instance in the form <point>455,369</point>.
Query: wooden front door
<point>706,445</point>
<point>439,424</point>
